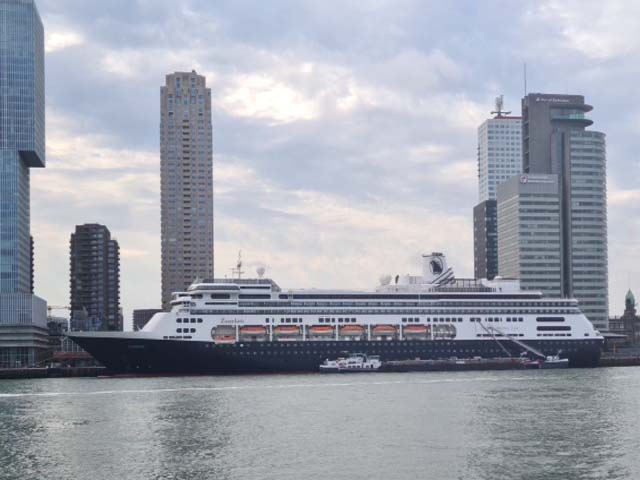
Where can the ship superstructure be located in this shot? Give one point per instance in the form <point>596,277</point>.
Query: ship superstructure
<point>237,325</point>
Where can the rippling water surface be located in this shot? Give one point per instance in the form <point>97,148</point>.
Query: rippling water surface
<point>474,425</point>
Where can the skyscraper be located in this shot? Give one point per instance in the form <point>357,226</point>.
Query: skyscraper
<point>22,146</point>
<point>95,279</point>
<point>529,233</point>
<point>485,239</point>
<point>555,142</point>
<point>186,178</point>
<point>499,158</point>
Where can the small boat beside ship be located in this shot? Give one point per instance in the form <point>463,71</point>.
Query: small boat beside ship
<point>549,362</point>
<point>354,363</point>
<point>359,362</point>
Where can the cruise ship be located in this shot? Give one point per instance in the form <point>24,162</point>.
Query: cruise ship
<point>252,325</point>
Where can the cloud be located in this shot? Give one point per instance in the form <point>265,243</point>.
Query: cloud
<point>599,30</point>
<point>260,96</point>
<point>59,40</point>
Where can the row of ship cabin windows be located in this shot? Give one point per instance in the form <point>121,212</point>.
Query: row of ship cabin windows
<point>185,330</point>
<point>497,319</point>
<point>284,320</point>
<point>499,335</point>
<point>187,320</point>
<point>333,320</point>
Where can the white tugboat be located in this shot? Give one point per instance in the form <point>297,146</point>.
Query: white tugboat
<point>357,362</point>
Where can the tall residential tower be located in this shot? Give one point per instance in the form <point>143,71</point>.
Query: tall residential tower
<point>22,147</point>
<point>499,158</point>
<point>95,279</point>
<point>186,178</point>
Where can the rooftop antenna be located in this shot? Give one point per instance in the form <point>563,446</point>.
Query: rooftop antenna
<point>499,113</point>
<point>238,268</point>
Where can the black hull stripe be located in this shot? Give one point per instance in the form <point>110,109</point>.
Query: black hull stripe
<point>168,356</point>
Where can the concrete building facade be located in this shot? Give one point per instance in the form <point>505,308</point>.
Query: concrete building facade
<point>499,154</point>
<point>529,232</point>
<point>23,325</point>
<point>186,176</point>
<point>555,141</point>
<point>485,239</point>
<point>629,323</point>
<point>499,159</point>
<point>95,279</point>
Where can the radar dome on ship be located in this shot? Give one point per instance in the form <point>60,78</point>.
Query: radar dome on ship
<point>260,271</point>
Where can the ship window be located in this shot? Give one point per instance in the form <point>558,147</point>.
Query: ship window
<point>199,320</point>
<point>178,330</point>
<point>193,320</point>
<point>550,319</point>
<point>178,320</point>
<point>404,320</point>
<point>543,328</point>
<point>193,330</point>
<point>220,296</point>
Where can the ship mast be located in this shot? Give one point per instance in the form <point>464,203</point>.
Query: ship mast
<point>237,271</point>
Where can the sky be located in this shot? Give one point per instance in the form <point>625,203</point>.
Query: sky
<point>344,132</point>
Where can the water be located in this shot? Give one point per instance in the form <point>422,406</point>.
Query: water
<point>561,425</point>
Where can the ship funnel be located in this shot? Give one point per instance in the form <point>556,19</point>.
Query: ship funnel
<point>434,268</point>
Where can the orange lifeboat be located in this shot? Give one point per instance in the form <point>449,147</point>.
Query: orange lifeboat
<point>384,330</point>
<point>225,339</point>
<point>352,330</point>
<point>321,330</point>
<point>253,330</point>
<point>287,329</point>
<point>415,329</point>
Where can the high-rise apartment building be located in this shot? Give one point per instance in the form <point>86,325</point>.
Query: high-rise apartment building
<point>23,326</point>
<point>499,158</point>
<point>186,177</point>
<point>555,141</point>
<point>485,239</point>
<point>95,279</point>
<point>142,316</point>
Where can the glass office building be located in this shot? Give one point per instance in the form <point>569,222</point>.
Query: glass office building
<point>22,147</point>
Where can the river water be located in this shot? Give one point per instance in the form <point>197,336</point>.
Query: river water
<point>556,425</point>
